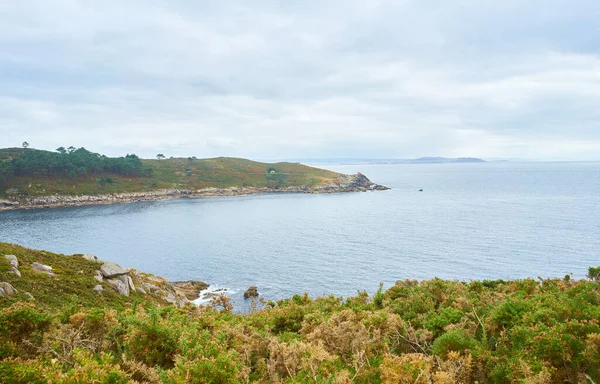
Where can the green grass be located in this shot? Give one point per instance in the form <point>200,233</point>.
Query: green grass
<point>178,173</point>
<point>71,284</point>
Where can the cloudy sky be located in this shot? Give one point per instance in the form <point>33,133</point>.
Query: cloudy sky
<point>289,79</point>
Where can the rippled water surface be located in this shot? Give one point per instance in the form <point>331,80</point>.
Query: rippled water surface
<point>472,221</point>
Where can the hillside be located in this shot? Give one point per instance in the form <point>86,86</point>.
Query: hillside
<point>57,328</point>
<point>28,174</point>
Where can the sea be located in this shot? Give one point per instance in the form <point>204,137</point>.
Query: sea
<point>453,221</point>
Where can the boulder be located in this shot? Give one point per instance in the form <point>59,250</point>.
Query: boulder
<point>93,258</point>
<point>12,260</point>
<point>190,289</point>
<point>98,288</point>
<point>6,289</point>
<point>251,292</point>
<point>130,283</point>
<point>119,286</point>
<point>98,276</point>
<point>127,281</point>
<point>41,268</point>
<point>150,287</point>
<point>110,270</point>
<point>29,295</point>
<point>14,264</point>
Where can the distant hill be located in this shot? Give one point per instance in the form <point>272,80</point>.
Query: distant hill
<point>442,160</point>
<point>421,160</point>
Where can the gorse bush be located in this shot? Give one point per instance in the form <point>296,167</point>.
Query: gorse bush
<point>527,331</point>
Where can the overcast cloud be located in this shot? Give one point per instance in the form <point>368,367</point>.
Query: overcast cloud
<point>289,79</point>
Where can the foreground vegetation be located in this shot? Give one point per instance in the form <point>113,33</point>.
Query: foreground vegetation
<point>436,331</point>
<point>28,172</point>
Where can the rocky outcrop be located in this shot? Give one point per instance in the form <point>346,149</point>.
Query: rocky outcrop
<point>126,281</point>
<point>98,288</point>
<point>251,292</point>
<point>110,270</point>
<point>41,268</point>
<point>8,204</point>
<point>345,183</point>
<point>6,289</point>
<point>190,289</point>
<point>119,286</point>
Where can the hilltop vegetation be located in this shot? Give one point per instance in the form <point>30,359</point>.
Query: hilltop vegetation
<point>30,172</point>
<point>436,331</point>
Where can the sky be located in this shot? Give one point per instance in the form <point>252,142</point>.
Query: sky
<point>303,79</point>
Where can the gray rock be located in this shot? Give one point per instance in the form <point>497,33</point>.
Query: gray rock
<point>251,292</point>
<point>99,276</point>
<point>119,286</point>
<point>12,260</point>
<point>41,268</point>
<point>190,289</point>
<point>16,271</point>
<point>130,283</point>
<point>29,295</point>
<point>110,270</point>
<point>98,288</point>
<point>6,289</point>
<point>127,281</point>
<point>141,290</point>
<point>93,258</point>
<point>150,287</point>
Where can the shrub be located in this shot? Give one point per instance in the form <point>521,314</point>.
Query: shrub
<point>153,345</point>
<point>594,273</point>
<point>457,340</point>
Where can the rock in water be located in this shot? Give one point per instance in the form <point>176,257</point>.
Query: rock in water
<point>110,270</point>
<point>251,292</point>
<point>41,268</point>
<point>6,289</point>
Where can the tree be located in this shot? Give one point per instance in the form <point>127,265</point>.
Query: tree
<point>61,150</point>
<point>160,156</point>
<point>25,144</point>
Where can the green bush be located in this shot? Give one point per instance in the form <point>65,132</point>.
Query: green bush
<point>457,340</point>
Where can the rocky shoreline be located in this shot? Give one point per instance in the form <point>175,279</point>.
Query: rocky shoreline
<point>345,183</point>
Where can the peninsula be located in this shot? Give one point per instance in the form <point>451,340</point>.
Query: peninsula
<point>31,178</point>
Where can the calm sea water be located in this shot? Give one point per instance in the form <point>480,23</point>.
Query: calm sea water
<point>472,221</point>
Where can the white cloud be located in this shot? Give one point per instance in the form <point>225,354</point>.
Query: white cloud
<point>292,79</point>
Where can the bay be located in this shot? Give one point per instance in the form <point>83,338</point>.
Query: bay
<point>472,221</point>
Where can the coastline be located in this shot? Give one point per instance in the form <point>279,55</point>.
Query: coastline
<point>346,183</point>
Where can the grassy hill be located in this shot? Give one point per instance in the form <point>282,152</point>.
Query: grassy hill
<point>428,332</point>
<point>73,178</point>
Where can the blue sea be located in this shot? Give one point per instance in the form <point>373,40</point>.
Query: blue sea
<point>471,221</point>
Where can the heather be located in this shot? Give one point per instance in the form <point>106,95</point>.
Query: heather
<point>435,331</point>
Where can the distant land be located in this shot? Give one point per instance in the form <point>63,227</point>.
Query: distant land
<point>421,160</point>
<point>31,178</point>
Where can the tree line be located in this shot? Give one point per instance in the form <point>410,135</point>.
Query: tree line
<point>69,162</point>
